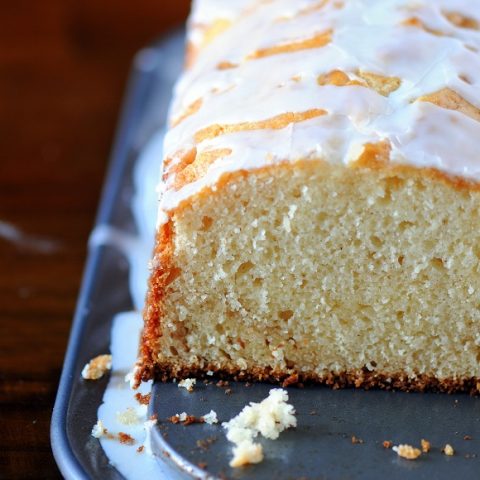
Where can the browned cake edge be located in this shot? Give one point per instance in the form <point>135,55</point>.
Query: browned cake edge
<point>355,378</point>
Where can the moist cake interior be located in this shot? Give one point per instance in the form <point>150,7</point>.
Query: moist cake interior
<point>349,275</point>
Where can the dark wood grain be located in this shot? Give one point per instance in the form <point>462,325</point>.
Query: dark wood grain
<point>63,67</point>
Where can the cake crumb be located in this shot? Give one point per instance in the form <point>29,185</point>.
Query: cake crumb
<point>99,429</point>
<point>387,444</point>
<point>193,419</point>
<point>129,416</point>
<point>202,465</point>
<point>125,438</point>
<point>187,384</point>
<point>178,417</point>
<point>246,453</point>
<point>356,440</point>
<point>268,418</point>
<point>448,450</point>
<point>97,367</point>
<point>141,448</point>
<point>143,399</point>
<point>425,445</point>
<point>210,417</point>
<point>185,419</point>
<point>407,451</point>
<point>467,437</point>
<point>206,442</point>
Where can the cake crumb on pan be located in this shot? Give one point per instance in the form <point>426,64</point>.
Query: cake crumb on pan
<point>425,445</point>
<point>204,444</point>
<point>268,418</point>
<point>246,453</point>
<point>185,419</point>
<point>99,429</point>
<point>188,384</point>
<point>356,440</point>
<point>448,450</point>
<point>387,444</point>
<point>125,438</point>
<point>210,417</point>
<point>97,367</point>
<point>407,451</point>
<point>132,416</point>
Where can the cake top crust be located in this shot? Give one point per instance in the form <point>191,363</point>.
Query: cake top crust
<point>272,81</point>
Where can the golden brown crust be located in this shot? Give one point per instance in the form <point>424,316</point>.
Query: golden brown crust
<point>163,273</point>
<point>355,378</point>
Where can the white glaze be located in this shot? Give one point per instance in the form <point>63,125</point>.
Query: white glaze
<point>367,36</point>
<point>126,327</point>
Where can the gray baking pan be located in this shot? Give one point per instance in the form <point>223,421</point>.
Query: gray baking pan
<point>321,446</point>
<point>340,433</point>
<point>105,286</point>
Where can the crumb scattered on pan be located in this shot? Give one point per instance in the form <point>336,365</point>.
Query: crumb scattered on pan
<point>97,367</point>
<point>425,445</point>
<point>222,383</point>
<point>407,451</point>
<point>246,453</point>
<point>267,418</point>
<point>210,417</point>
<point>178,417</point>
<point>202,465</point>
<point>448,450</point>
<point>192,419</point>
<point>99,430</point>
<point>205,443</point>
<point>187,384</point>
<point>125,438</point>
<point>132,416</point>
<point>185,419</point>
<point>141,448</point>
<point>355,440</point>
<point>228,391</point>
<point>143,399</point>
<point>467,437</point>
<point>387,444</point>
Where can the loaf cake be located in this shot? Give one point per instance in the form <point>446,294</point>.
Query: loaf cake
<point>319,215</point>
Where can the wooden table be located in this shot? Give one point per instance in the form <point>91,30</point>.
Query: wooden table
<point>63,67</point>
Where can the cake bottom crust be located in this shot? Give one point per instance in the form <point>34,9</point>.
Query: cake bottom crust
<point>355,378</point>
